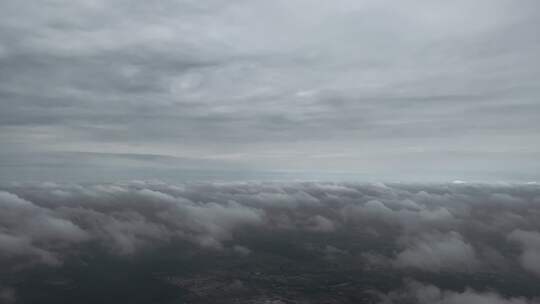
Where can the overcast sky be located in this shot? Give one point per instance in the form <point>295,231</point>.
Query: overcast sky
<point>375,90</point>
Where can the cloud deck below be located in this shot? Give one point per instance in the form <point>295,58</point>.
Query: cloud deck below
<point>303,242</point>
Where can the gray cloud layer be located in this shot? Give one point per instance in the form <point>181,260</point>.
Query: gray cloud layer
<point>427,294</point>
<point>457,230</point>
<point>432,227</point>
<point>361,86</point>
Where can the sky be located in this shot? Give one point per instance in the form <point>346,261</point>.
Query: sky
<point>366,90</point>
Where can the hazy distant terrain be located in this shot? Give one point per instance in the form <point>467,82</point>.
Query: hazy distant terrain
<point>152,242</point>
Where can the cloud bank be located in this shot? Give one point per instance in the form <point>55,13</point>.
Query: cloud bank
<point>429,294</point>
<point>416,230</point>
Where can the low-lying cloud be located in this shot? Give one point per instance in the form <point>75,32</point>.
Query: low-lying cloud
<point>463,229</point>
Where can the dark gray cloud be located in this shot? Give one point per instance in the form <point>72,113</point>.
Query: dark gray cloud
<point>464,242</point>
<point>7,295</point>
<point>530,241</point>
<point>435,252</point>
<point>354,86</point>
<point>432,227</point>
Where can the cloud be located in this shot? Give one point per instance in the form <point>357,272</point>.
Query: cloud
<point>429,232</point>
<point>319,223</point>
<point>25,225</point>
<point>16,246</point>
<point>530,244</point>
<point>406,214</point>
<point>436,252</point>
<point>108,213</point>
<point>429,294</point>
<point>415,87</point>
<point>241,250</point>
<point>426,227</point>
<point>7,295</point>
